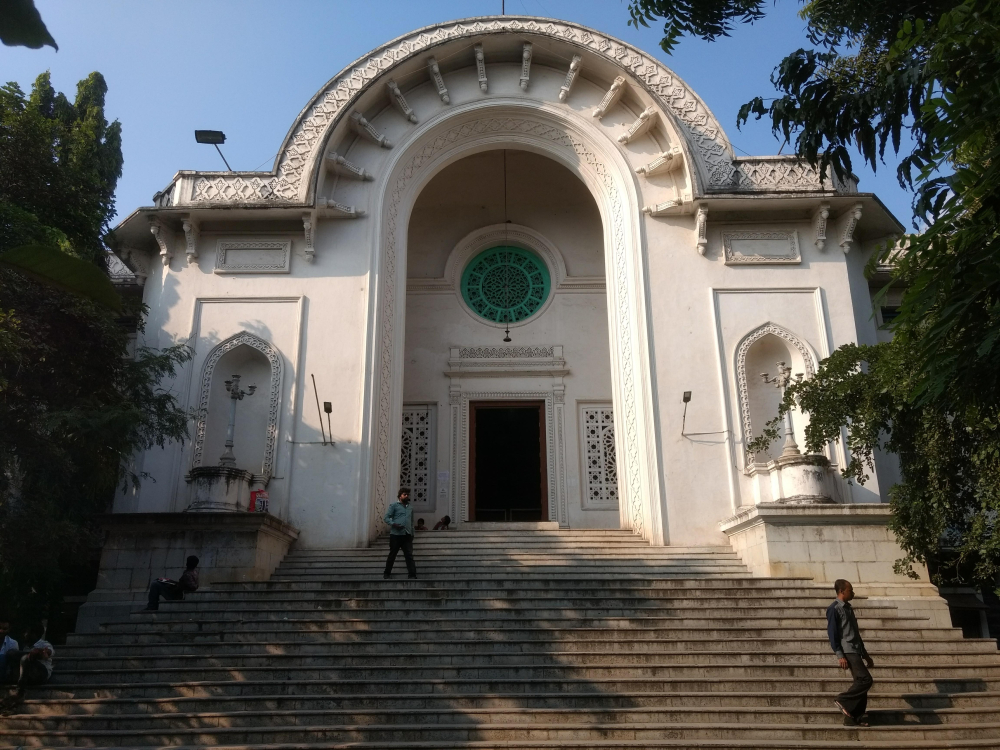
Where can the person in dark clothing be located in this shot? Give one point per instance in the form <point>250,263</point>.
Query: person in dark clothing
<point>171,589</point>
<point>846,642</point>
<point>444,523</point>
<point>400,520</point>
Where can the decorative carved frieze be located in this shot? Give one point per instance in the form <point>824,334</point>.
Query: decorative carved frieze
<point>819,224</point>
<point>397,100</point>
<point>158,230</point>
<point>366,130</point>
<point>647,119</point>
<point>525,66</point>
<point>666,162</point>
<point>853,216</point>
<point>434,70</point>
<point>481,67</point>
<point>339,165</point>
<point>253,256</point>
<point>611,98</point>
<point>571,74</point>
<point>330,209</point>
<point>757,247</point>
<point>701,229</point>
<point>190,227</point>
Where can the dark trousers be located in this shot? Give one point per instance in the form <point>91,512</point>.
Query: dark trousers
<point>404,542</point>
<point>23,671</point>
<point>855,698</point>
<point>169,591</point>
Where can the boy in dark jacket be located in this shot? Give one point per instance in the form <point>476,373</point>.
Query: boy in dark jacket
<point>171,589</point>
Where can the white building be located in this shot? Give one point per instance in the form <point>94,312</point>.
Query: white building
<point>643,260</point>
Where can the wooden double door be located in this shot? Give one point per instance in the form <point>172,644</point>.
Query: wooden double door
<point>507,467</point>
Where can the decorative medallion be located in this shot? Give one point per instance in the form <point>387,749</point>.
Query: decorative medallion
<point>506,284</point>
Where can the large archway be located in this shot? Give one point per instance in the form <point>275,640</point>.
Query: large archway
<point>588,154</point>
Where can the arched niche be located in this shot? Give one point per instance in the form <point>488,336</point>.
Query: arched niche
<point>759,352</point>
<point>258,363</point>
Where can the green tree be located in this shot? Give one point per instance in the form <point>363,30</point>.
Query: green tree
<point>76,403</point>
<point>929,68</point>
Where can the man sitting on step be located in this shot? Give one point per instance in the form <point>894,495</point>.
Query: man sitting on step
<point>400,520</point>
<point>173,590</point>
<point>28,668</point>
<point>846,642</point>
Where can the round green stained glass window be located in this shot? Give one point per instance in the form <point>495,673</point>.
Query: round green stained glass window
<point>505,284</point>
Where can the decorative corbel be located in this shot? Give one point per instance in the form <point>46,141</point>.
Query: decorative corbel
<point>399,101</point>
<point>309,228</point>
<point>158,230</point>
<point>666,162</point>
<point>434,70</point>
<point>481,67</point>
<point>819,224</point>
<point>847,237</point>
<point>525,65</point>
<point>679,204</point>
<point>330,209</point>
<point>365,129</point>
<point>611,98</point>
<point>133,262</point>
<point>571,74</point>
<point>647,119</point>
<point>190,238</point>
<point>339,165</point>
<point>701,229</point>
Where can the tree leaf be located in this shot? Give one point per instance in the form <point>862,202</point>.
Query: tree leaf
<point>56,268</point>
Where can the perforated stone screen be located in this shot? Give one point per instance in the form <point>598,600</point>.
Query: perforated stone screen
<point>505,284</point>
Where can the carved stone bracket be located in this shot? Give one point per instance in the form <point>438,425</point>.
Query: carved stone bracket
<point>158,231</point>
<point>339,165</point>
<point>330,209</point>
<point>701,229</point>
<point>571,74</point>
<point>847,236</point>
<point>611,98</point>
<point>647,119</point>
<point>679,204</point>
<point>365,129</point>
<point>525,66</point>
<point>135,264</point>
<point>666,162</point>
<point>481,67</point>
<point>819,224</point>
<point>309,228</point>
<point>434,70</point>
<point>397,100</point>
<point>190,238</point>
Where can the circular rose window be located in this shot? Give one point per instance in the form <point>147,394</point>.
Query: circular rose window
<point>505,284</point>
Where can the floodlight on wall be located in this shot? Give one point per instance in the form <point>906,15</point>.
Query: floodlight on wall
<point>214,138</point>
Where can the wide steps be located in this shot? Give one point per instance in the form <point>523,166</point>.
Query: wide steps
<point>510,638</point>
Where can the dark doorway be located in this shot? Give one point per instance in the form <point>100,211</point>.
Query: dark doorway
<point>507,461</point>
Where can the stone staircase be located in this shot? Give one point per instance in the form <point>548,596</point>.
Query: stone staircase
<point>511,638</point>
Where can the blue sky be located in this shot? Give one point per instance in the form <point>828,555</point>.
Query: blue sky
<point>247,67</point>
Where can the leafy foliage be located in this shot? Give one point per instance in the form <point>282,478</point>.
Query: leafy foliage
<point>877,70</point>
<point>75,402</point>
<point>21,25</point>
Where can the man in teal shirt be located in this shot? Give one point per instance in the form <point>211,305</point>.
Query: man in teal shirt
<point>400,520</point>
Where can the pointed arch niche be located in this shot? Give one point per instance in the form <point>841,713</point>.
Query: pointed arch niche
<point>760,351</point>
<point>258,363</point>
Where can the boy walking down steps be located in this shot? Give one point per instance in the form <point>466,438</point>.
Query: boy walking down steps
<point>847,644</point>
<point>400,520</point>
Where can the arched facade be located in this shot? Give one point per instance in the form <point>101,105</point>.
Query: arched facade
<point>699,247</point>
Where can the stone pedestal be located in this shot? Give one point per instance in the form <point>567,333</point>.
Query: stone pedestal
<point>794,479</point>
<point>831,541</point>
<point>219,488</point>
<point>140,547</point>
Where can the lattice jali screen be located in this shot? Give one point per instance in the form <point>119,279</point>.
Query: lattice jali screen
<point>415,451</point>
<point>600,471</point>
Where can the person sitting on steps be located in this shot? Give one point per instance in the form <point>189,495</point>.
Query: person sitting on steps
<point>173,590</point>
<point>28,668</point>
<point>443,524</point>
<point>400,520</point>
<point>420,525</point>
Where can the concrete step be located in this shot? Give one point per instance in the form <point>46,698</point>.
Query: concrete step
<point>270,734</point>
<point>760,587</point>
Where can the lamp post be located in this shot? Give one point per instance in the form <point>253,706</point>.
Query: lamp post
<point>235,394</point>
<point>781,381</point>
